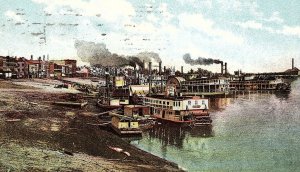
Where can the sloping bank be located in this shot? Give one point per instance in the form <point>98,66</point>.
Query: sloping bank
<point>36,135</point>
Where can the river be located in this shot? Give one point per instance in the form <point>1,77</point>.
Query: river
<point>253,132</point>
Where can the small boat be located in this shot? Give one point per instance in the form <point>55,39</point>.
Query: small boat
<point>106,103</point>
<point>125,125</point>
<point>72,104</point>
<point>108,106</point>
<point>113,99</point>
<point>141,113</point>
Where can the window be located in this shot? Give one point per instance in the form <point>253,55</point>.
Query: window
<point>196,102</point>
<point>189,102</point>
<point>168,103</point>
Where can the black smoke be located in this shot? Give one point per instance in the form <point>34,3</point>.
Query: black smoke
<point>147,56</point>
<point>98,54</point>
<point>200,60</point>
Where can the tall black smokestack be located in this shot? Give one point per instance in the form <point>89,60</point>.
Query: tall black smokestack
<point>159,68</point>
<point>134,75</point>
<point>106,80</point>
<point>116,71</point>
<point>165,69</point>
<point>225,68</point>
<point>293,63</point>
<point>150,77</point>
<point>31,57</point>
<point>181,69</point>
<point>222,68</point>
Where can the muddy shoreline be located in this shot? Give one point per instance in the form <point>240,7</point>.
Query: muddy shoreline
<point>33,132</point>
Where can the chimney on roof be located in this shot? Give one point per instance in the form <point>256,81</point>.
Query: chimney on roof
<point>225,68</point>
<point>181,69</point>
<point>31,57</point>
<point>293,63</point>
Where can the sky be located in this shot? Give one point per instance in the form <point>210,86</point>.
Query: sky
<point>254,36</point>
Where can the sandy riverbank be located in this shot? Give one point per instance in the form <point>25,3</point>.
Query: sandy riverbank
<point>36,135</point>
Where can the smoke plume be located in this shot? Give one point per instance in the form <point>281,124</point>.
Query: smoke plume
<point>98,54</point>
<point>200,60</point>
<point>147,56</point>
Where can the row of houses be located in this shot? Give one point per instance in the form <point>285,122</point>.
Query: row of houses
<point>21,67</point>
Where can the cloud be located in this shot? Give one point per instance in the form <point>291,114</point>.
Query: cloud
<point>291,30</point>
<point>250,8</point>
<point>286,30</point>
<point>108,10</point>
<point>12,15</point>
<point>207,26</point>
<point>152,18</point>
<point>250,24</point>
<point>145,27</point>
<point>275,17</point>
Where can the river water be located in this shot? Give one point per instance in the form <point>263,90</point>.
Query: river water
<point>254,132</point>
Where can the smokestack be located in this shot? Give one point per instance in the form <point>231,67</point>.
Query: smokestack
<point>150,77</point>
<point>222,68</point>
<point>31,57</point>
<point>134,75</point>
<point>181,69</point>
<point>159,68</point>
<point>44,57</point>
<point>116,71</point>
<point>106,80</point>
<point>47,57</point>
<point>225,68</point>
<point>165,69</point>
<point>143,65</point>
<point>293,63</point>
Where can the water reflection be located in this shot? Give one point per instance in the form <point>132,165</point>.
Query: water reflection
<point>219,103</point>
<point>201,131</point>
<point>168,134</point>
<point>176,136</point>
<point>257,131</point>
<point>284,95</point>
